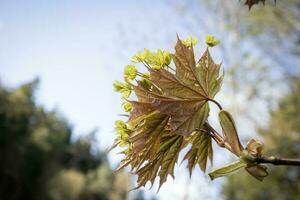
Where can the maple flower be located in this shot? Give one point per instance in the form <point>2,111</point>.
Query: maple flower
<point>190,42</point>
<point>127,106</point>
<point>123,132</point>
<point>140,56</point>
<point>130,72</point>
<point>124,88</point>
<point>146,75</point>
<point>159,59</point>
<point>145,83</point>
<point>211,41</point>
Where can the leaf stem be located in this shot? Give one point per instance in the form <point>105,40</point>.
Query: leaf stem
<point>218,138</point>
<point>169,67</point>
<point>278,161</point>
<point>217,103</point>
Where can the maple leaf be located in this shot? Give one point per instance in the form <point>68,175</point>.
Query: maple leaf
<point>200,151</point>
<point>184,95</point>
<point>230,132</point>
<point>164,162</point>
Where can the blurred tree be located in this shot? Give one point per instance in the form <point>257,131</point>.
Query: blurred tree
<point>260,48</point>
<point>274,29</point>
<point>281,136</point>
<point>38,160</point>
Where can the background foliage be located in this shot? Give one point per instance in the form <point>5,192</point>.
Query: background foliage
<point>282,137</point>
<point>39,160</point>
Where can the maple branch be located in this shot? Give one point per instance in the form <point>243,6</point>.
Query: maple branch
<point>260,159</point>
<point>278,161</point>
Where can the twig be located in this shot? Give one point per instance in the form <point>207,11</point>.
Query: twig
<point>278,161</point>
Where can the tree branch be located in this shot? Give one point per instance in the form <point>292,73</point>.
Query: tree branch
<point>278,161</point>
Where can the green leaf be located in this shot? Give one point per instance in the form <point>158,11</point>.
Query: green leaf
<point>163,163</point>
<point>200,151</point>
<point>169,159</point>
<point>230,132</point>
<point>146,133</point>
<point>227,170</point>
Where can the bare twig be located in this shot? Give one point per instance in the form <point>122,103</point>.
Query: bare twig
<point>278,161</point>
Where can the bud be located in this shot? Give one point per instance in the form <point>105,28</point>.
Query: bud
<point>130,72</point>
<point>159,59</point>
<point>127,106</point>
<point>140,56</point>
<point>212,41</point>
<point>123,88</point>
<point>190,42</point>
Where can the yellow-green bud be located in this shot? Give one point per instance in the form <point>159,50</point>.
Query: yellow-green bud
<point>118,86</point>
<point>124,88</point>
<point>127,106</point>
<point>159,59</point>
<point>212,41</point>
<point>190,42</point>
<point>120,125</point>
<point>123,132</point>
<point>140,56</point>
<point>166,58</point>
<point>130,72</point>
<point>146,75</point>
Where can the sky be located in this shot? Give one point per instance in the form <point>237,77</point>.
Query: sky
<point>77,49</point>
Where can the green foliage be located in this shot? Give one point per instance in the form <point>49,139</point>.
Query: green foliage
<point>39,161</point>
<point>282,136</point>
<point>200,150</point>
